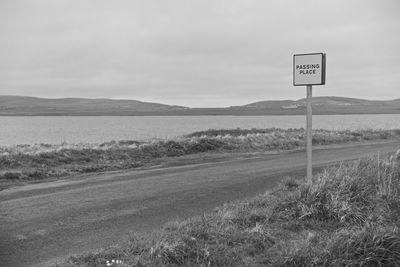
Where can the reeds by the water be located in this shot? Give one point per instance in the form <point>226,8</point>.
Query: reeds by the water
<point>33,162</point>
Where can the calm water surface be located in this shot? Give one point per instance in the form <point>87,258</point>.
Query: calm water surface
<point>83,129</point>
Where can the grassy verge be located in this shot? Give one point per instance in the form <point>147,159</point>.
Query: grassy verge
<point>35,162</point>
<point>347,215</point>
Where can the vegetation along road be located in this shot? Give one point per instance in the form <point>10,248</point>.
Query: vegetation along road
<point>42,223</point>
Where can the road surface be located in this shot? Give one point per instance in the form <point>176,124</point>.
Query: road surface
<point>45,222</point>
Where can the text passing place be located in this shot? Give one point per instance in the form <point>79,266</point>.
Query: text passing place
<point>309,69</point>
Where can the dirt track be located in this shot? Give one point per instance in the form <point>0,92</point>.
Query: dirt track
<point>44,222</point>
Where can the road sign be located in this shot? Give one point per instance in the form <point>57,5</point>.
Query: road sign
<point>309,69</point>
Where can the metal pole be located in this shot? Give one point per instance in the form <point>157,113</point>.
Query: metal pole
<point>309,132</point>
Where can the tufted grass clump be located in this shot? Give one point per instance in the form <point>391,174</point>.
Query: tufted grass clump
<point>347,215</point>
<point>350,194</point>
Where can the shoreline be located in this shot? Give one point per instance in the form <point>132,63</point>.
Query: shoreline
<point>31,164</point>
<point>163,114</point>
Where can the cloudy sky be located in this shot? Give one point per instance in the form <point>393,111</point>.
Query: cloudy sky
<point>196,53</point>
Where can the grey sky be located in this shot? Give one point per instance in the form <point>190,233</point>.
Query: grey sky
<point>196,53</point>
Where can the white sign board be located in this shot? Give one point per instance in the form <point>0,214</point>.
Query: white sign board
<point>309,69</point>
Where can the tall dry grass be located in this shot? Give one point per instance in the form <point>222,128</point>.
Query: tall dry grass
<point>33,162</point>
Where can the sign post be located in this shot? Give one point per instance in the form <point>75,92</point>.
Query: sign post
<point>309,132</point>
<point>309,70</point>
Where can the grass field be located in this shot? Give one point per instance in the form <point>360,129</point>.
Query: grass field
<point>36,162</point>
<point>347,215</point>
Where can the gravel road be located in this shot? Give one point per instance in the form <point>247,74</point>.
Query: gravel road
<point>42,223</point>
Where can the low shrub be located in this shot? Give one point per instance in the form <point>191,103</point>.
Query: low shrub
<point>11,175</point>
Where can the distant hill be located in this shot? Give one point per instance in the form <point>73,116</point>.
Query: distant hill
<point>33,106</point>
<point>23,105</point>
<point>326,105</point>
<point>333,101</point>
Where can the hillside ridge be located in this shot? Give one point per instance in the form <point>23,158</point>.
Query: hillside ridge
<point>322,105</point>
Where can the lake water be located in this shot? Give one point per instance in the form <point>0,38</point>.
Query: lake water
<point>86,129</point>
